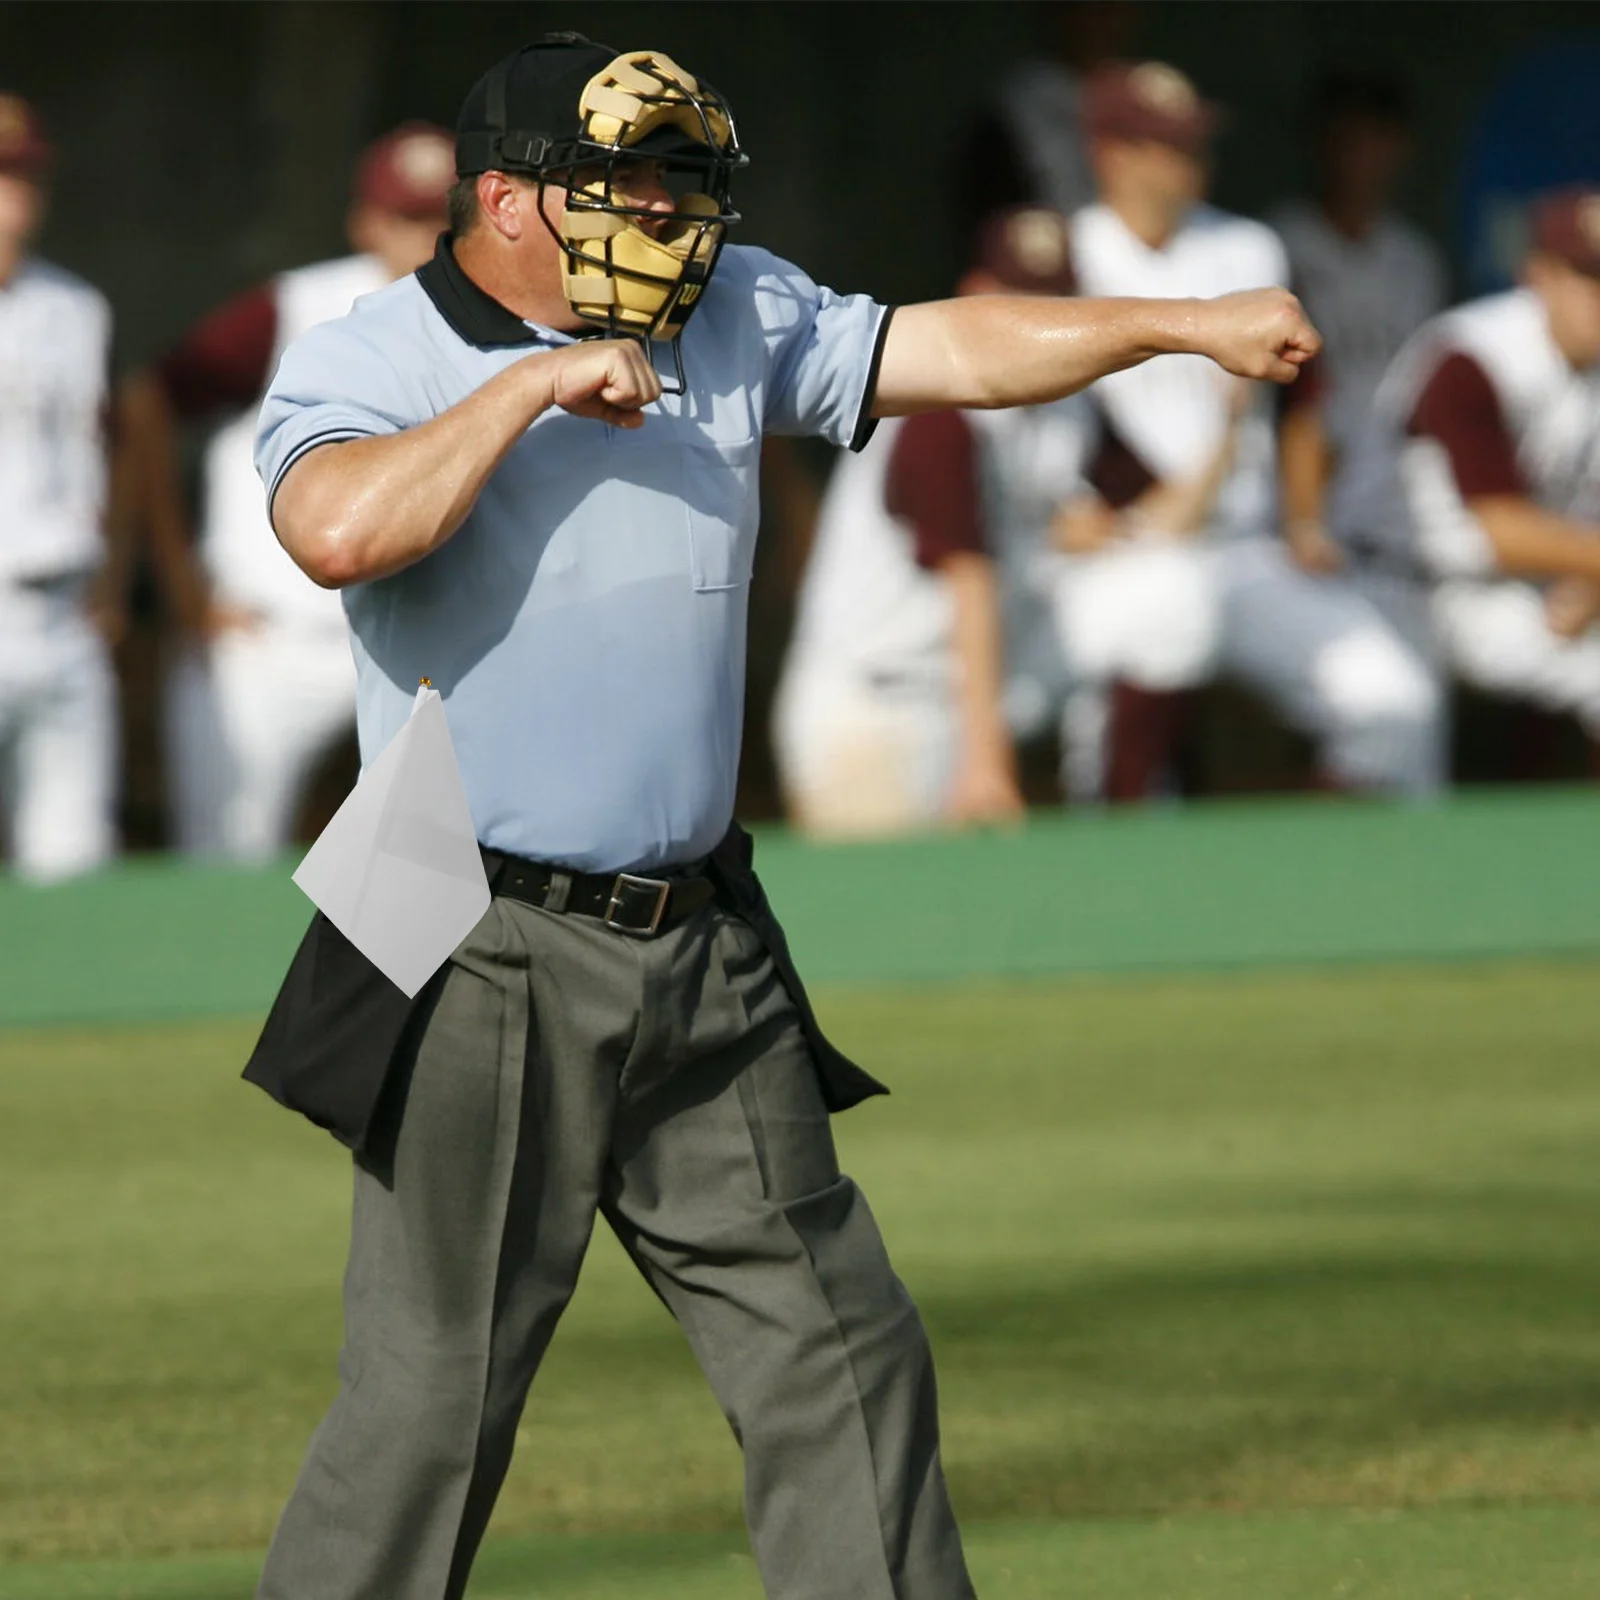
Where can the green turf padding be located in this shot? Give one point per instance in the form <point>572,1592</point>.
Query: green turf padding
<point>1227,885</point>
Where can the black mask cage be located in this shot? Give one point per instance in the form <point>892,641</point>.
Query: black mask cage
<point>695,146</point>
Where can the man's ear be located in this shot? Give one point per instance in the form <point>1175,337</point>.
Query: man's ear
<point>500,200</point>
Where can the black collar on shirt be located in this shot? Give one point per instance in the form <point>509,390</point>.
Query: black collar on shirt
<point>473,313</point>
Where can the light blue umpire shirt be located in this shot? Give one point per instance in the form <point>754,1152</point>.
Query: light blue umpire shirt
<point>586,623</point>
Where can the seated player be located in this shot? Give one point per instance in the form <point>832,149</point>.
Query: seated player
<point>266,686</point>
<point>925,635</point>
<point>1134,602</point>
<point>1285,622</point>
<point>889,714</point>
<point>1483,468</point>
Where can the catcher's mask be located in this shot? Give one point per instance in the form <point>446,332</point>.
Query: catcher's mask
<point>633,269</point>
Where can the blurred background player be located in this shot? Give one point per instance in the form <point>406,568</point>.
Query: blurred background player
<point>265,686</point>
<point>924,636</point>
<point>1483,464</point>
<point>1367,278</point>
<point>890,712</point>
<point>1134,603</point>
<point>1286,625</point>
<point>58,737</point>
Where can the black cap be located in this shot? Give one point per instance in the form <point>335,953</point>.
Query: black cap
<point>522,114</point>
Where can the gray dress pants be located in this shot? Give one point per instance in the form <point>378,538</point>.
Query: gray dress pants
<point>665,1082</point>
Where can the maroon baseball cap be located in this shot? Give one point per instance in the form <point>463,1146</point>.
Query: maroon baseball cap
<point>1028,248</point>
<point>24,149</point>
<point>1566,224</point>
<point>408,171</point>
<point>1148,100</point>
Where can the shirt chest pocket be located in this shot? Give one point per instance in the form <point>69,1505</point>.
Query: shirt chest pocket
<point>721,491</point>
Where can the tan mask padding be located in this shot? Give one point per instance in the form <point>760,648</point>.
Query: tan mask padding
<point>640,93</point>
<point>644,91</point>
<point>637,303</point>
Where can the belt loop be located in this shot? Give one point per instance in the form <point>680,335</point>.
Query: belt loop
<point>556,892</point>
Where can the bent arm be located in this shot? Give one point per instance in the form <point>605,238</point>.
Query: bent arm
<point>359,509</point>
<point>1126,499</point>
<point>989,351</point>
<point>1530,542</point>
<point>1182,506</point>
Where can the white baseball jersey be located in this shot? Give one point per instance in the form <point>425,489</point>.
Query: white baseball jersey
<point>246,564</point>
<point>1366,297</point>
<point>868,608</point>
<point>55,357</point>
<point>1480,401</point>
<point>1173,412</point>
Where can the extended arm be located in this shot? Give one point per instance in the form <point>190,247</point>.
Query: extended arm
<point>988,351</point>
<point>361,509</point>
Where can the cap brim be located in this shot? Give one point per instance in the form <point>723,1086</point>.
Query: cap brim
<point>1193,134</point>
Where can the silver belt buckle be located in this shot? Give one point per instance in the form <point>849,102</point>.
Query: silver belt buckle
<point>627,880</point>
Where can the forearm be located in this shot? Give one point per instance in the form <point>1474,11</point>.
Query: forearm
<point>1304,464</point>
<point>987,351</point>
<point>978,653</point>
<point>1530,542</point>
<point>361,509</point>
<point>990,351</point>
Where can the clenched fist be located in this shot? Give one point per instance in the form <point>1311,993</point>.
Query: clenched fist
<point>607,379</point>
<point>1257,333</point>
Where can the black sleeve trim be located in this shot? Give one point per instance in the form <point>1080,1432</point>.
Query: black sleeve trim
<point>866,423</point>
<point>332,436</point>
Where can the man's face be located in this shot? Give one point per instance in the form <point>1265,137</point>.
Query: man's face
<point>527,217</point>
<point>1572,304</point>
<point>1152,174</point>
<point>21,210</point>
<point>1362,156</point>
<point>642,184</point>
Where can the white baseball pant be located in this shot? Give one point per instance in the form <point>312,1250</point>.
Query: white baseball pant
<point>58,735</point>
<point>1166,615</point>
<point>1332,666</point>
<point>1495,637</point>
<point>859,760</point>
<point>248,719</point>
<point>1142,610</point>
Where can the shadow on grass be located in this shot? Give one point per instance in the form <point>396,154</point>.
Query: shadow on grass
<point>540,1564</point>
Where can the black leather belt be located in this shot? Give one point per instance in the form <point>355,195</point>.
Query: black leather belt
<point>626,901</point>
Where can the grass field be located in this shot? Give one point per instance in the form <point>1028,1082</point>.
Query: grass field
<point>1258,1286</point>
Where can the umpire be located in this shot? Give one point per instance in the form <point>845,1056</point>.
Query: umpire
<point>484,458</point>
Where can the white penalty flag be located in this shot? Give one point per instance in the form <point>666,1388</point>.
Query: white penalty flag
<point>397,871</point>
